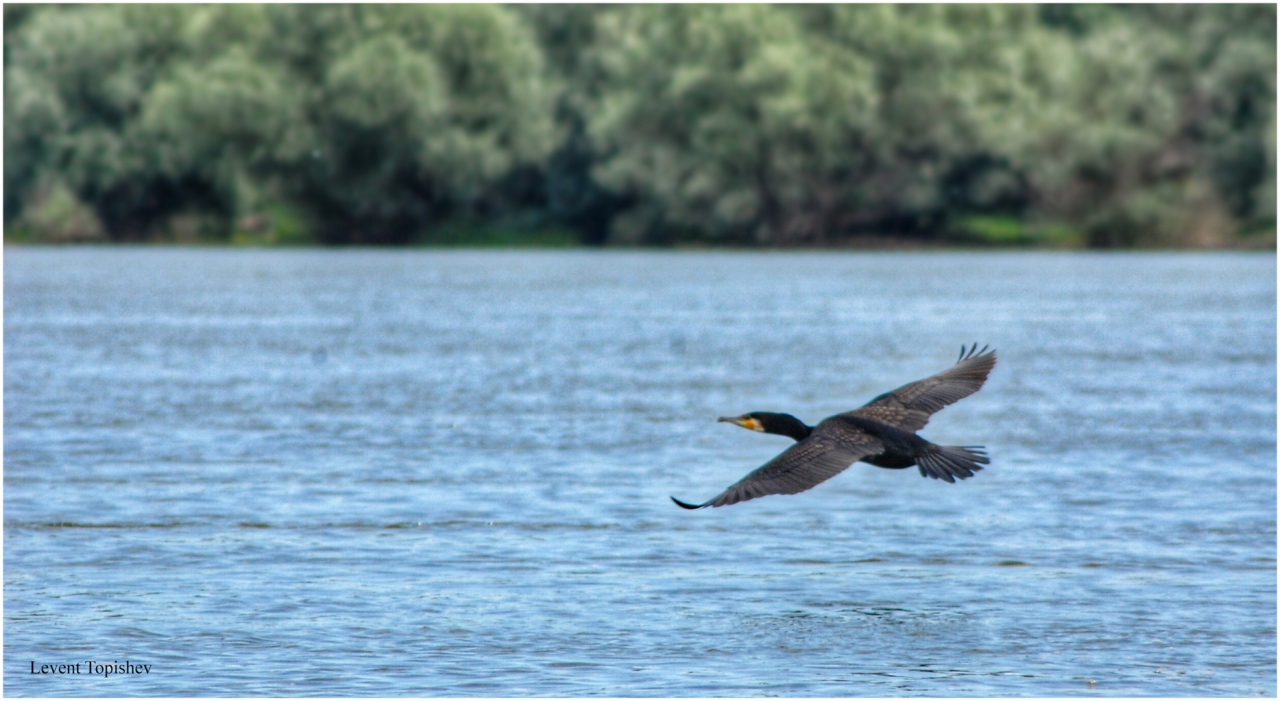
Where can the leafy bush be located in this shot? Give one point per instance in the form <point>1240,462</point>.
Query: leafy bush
<point>56,215</point>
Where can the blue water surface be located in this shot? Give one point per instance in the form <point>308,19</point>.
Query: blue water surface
<point>387,473</point>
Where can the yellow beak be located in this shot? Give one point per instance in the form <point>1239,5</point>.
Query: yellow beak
<point>743,421</point>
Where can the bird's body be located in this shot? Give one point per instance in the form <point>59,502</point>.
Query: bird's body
<point>882,433</point>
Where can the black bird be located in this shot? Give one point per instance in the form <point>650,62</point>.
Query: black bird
<point>882,433</point>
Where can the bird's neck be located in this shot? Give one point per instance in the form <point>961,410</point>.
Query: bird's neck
<point>800,432</point>
<point>788,425</point>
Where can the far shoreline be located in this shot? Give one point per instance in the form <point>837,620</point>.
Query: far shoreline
<point>1267,245</point>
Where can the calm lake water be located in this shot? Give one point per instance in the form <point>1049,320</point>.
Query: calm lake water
<point>386,473</point>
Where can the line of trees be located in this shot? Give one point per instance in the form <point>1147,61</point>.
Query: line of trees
<point>1148,125</point>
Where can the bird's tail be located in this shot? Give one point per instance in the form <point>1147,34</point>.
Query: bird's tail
<point>947,462</point>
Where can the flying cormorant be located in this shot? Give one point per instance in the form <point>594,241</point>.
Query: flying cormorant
<point>882,433</point>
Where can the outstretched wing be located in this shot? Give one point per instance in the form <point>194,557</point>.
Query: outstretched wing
<point>910,406</point>
<point>809,462</point>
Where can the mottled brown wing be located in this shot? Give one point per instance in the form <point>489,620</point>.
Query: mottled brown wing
<point>910,406</point>
<point>810,462</point>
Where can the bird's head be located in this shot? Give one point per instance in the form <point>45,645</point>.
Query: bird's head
<point>747,421</point>
<point>770,422</point>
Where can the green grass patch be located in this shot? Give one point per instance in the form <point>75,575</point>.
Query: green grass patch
<point>1011,231</point>
<point>1258,231</point>
<point>17,233</point>
<point>278,224</point>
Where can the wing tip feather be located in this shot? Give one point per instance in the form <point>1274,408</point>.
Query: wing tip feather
<point>970,352</point>
<point>685,505</point>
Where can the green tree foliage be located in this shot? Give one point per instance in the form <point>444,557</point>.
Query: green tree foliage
<point>728,131</point>
<point>794,125</point>
<point>737,124</point>
<point>418,113</point>
<point>379,120</point>
<point>573,196</point>
<point>74,85</point>
<point>1154,130</point>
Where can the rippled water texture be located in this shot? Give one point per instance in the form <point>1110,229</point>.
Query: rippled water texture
<point>446,473</point>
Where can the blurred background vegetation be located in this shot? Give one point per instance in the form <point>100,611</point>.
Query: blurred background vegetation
<point>1054,125</point>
